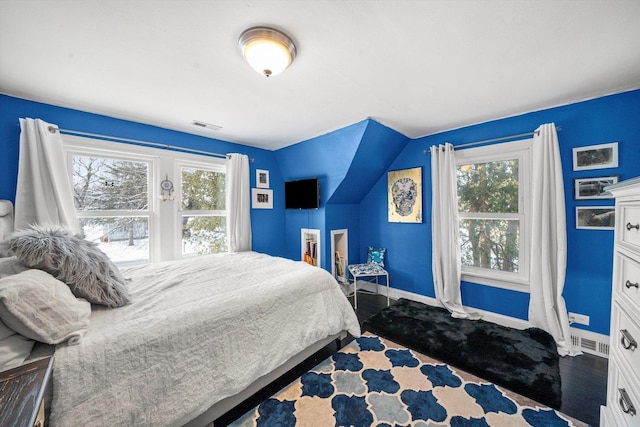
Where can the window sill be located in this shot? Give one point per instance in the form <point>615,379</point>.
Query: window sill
<point>512,285</point>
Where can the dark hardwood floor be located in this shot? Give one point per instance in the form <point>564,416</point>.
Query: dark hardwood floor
<point>584,378</point>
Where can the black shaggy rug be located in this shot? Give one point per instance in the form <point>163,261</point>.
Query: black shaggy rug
<point>523,361</point>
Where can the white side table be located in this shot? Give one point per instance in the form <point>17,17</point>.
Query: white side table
<point>367,270</point>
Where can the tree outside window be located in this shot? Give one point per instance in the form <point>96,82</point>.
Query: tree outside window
<point>203,206</point>
<point>489,213</point>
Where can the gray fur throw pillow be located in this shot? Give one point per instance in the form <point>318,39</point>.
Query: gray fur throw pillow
<point>87,270</point>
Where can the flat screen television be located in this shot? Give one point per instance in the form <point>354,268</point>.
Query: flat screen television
<point>302,194</point>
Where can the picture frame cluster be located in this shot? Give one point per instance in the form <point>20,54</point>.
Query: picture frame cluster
<point>592,157</point>
<point>262,196</point>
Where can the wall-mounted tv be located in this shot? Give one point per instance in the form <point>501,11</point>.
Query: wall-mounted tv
<point>302,194</point>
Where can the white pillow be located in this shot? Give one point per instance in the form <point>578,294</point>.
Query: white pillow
<point>14,348</point>
<point>38,306</point>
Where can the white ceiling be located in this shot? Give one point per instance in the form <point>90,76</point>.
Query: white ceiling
<point>419,67</point>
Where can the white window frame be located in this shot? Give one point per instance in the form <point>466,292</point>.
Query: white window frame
<point>520,150</point>
<point>208,166</point>
<point>164,226</point>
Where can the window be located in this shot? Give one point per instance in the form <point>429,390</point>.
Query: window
<point>116,193</point>
<point>111,197</point>
<point>493,199</point>
<point>203,215</point>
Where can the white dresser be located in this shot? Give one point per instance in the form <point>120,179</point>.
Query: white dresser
<point>623,385</point>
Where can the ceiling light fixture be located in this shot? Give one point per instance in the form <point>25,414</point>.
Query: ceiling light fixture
<point>267,51</point>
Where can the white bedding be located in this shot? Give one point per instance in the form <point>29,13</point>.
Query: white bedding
<point>198,330</point>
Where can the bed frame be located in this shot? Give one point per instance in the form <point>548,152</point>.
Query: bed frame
<point>225,405</point>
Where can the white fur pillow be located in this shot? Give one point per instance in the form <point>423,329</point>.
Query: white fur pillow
<point>87,270</point>
<point>39,306</point>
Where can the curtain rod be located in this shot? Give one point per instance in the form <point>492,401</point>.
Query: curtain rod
<point>53,129</point>
<point>502,138</point>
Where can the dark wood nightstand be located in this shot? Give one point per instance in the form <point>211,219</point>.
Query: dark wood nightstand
<point>22,393</point>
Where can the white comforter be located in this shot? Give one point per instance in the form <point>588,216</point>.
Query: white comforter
<point>198,330</point>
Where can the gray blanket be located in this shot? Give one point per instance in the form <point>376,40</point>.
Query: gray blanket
<point>198,330</point>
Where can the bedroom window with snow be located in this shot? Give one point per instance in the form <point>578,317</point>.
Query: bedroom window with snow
<point>202,209</point>
<point>111,197</point>
<point>493,194</point>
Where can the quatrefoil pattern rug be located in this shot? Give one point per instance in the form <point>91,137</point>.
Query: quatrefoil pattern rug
<point>375,382</point>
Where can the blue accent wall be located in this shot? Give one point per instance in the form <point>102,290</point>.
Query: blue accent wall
<point>352,164</point>
<point>267,225</point>
<point>614,118</point>
<point>347,162</point>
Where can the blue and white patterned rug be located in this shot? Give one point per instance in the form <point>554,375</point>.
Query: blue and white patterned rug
<point>375,382</point>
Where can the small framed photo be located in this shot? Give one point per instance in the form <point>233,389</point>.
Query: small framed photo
<point>262,178</point>
<point>261,198</point>
<point>595,157</point>
<point>593,188</point>
<point>595,217</point>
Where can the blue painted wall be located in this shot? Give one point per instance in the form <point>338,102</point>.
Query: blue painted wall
<point>347,162</point>
<point>614,118</point>
<point>267,225</point>
<point>351,164</point>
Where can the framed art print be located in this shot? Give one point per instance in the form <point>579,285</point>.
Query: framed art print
<point>595,217</point>
<point>405,195</point>
<point>262,178</point>
<point>593,188</point>
<point>261,198</point>
<point>595,157</point>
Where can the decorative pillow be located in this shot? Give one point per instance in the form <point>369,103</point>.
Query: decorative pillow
<point>376,255</point>
<point>79,263</point>
<point>10,266</point>
<point>39,306</point>
<point>14,348</point>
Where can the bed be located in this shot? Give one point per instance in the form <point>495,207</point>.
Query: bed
<point>199,336</point>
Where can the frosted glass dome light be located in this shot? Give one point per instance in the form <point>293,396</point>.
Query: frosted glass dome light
<point>267,51</point>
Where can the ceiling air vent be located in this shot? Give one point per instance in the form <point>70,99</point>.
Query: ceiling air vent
<point>205,125</point>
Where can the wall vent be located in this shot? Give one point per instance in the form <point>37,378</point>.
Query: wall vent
<point>575,341</point>
<point>597,346</point>
<point>588,344</point>
<point>198,123</point>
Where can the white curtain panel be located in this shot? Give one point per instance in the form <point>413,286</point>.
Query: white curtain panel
<point>446,264</point>
<point>547,309</point>
<point>238,203</point>
<point>44,192</point>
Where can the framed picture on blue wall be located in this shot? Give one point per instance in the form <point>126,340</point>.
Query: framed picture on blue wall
<point>599,156</point>
<point>262,178</point>
<point>261,198</point>
<point>405,195</point>
<point>595,217</point>
<point>593,188</point>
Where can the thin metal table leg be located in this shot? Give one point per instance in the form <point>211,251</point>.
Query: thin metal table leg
<point>387,289</point>
<point>355,292</point>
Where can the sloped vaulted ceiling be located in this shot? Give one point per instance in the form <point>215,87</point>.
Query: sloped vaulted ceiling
<point>347,161</point>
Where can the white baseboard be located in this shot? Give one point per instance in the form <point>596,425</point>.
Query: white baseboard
<point>586,341</point>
